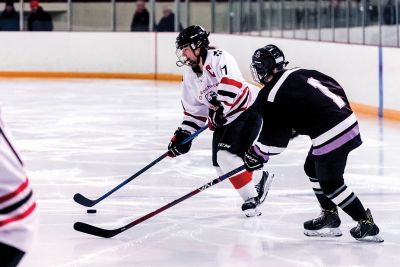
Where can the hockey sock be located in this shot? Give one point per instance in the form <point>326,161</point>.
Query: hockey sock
<point>323,200</point>
<point>345,198</point>
<point>244,185</point>
<point>243,181</point>
<point>356,210</point>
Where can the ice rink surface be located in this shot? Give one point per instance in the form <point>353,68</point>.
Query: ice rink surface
<point>87,136</point>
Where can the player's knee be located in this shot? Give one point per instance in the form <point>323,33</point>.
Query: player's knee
<point>228,161</point>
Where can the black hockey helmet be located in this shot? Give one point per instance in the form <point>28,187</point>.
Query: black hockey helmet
<point>194,37</point>
<point>265,60</point>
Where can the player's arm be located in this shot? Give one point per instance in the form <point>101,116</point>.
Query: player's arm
<point>274,137</point>
<point>232,96</point>
<point>194,117</point>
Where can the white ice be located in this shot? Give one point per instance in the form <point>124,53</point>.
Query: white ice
<point>87,136</point>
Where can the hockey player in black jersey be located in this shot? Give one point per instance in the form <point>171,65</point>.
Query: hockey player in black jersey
<point>311,103</point>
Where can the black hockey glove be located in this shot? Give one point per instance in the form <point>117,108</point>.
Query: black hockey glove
<point>174,147</point>
<point>215,114</point>
<point>254,158</point>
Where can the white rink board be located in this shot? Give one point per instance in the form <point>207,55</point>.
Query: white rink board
<point>354,66</point>
<point>102,52</point>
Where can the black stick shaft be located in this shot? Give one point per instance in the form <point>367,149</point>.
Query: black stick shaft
<point>93,230</point>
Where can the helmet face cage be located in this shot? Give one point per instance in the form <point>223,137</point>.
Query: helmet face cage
<point>257,75</point>
<point>182,59</point>
<point>194,37</point>
<point>265,60</point>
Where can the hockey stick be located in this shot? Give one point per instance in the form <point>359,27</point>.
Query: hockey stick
<point>93,230</point>
<point>80,199</point>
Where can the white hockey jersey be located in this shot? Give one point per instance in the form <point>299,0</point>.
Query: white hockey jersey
<point>16,201</point>
<point>221,77</point>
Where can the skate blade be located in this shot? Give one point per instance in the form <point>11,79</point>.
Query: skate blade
<point>252,213</point>
<point>372,239</point>
<point>326,232</point>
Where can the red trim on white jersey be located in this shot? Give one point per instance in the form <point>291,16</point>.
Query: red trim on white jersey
<point>20,188</point>
<point>19,216</point>
<point>226,80</point>
<point>245,92</point>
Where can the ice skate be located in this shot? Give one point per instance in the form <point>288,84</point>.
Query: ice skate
<point>366,230</point>
<point>251,207</point>
<point>263,186</point>
<point>326,225</point>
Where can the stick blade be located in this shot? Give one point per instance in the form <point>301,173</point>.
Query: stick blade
<point>82,200</point>
<point>93,230</point>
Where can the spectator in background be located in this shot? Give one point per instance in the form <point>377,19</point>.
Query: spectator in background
<point>141,18</point>
<point>39,20</point>
<point>389,13</point>
<point>167,22</point>
<point>9,18</point>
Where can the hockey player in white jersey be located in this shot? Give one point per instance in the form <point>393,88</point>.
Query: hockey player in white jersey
<point>214,90</point>
<point>16,203</point>
<point>310,103</point>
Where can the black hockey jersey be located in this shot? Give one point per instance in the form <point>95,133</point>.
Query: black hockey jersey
<point>310,103</point>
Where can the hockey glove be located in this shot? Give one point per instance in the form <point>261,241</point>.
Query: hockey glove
<point>175,148</point>
<point>215,115</point>
<point>254,158</point>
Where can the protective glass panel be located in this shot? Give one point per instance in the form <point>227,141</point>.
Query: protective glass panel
<point>340,11</point>
<point>236,14</point>
<point>389,27</point>
<point>372,29</point>
<point>200,13</point>
<point>124,14</point>
<point>276,18</point>
<point>356,22</point>
<point>222,17</point>
<point>266,18</point>
<point>312,32</point>
<point>91,16</point>
<point>184,15</point>
<point>249,19</point>
<point>288,14</point>
<point>327,20</point>
<point>300,19</point>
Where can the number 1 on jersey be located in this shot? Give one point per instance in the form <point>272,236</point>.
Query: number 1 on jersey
<point>224,68</point>
<point>317,84</point>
